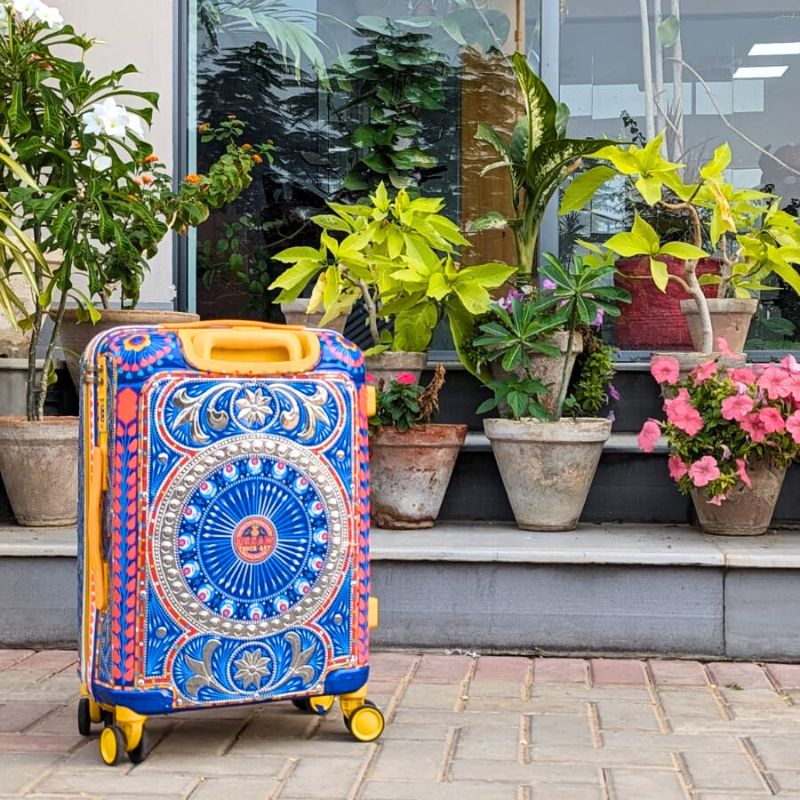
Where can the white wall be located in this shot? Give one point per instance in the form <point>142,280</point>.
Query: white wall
<point>136,32</point>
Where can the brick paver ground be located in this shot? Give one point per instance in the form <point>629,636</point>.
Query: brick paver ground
<point>459,728</point>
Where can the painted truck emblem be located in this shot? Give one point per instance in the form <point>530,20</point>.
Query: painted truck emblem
<point>254,540</point>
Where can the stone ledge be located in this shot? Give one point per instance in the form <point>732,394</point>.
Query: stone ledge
<point>624,545</point>
<point>477,442</point>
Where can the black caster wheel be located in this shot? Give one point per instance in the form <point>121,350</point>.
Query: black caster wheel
<point>139,753</point>
<point>112,745</point>
<point>84,717</point>
<point>302,704</point>
<point>106,717</point>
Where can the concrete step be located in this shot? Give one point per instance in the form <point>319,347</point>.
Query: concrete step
<point>657,589</point>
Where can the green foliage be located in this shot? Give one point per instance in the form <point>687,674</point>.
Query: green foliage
<point>398,257</point>
<point>594,373</point>
<point>394,76</point>
<point>405,403</point>
<point>518,397</point>
<point>538,157</point>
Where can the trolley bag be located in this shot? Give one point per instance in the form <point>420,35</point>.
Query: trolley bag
<point>224,526</point>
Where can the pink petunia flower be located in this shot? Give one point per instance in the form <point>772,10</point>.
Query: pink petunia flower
<point>406,378</point>
<point>722,346</point>
<point>776,382</point>
<point>743,375</point>
<point>683,415</point>
<point>717,499</point>
<point>665,369</point>
<point>737,407</point>
<point>677,468</point>
<point>703,471</point>
<point>548,285</point>
<point>702,373</point>
<point>726,453</point>
<point>741,471</point>
<point>790,364</point>
<point>649,435</point>
<point>371,379</point>
<point>771,420</point>
<point>794,382</point>
<point>793,426</point>
<point>753,427</point>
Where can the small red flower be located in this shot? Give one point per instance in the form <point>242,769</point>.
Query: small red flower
<point>406,378</point>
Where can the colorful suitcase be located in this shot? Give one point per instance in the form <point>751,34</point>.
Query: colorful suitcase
<point>224,532</point>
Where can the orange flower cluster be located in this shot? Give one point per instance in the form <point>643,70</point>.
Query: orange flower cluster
<point>151,159</point>
<point>193,179</point>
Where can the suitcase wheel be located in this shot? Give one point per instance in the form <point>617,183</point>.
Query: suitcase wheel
<point>84,717</point>
<point>320,705</point>
<point>112,745</point>
<point>366,723</point>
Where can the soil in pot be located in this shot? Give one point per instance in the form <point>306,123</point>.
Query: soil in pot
<point>730,320</point>
<point>746,512</point>
<point>75,336</point>
<point>410,472</point>
<point>544,368</point>
<point>547,467</point>
<point>387,366</point>
<point>653,319</point>
<point>39,465</point>
<point>295,314</point>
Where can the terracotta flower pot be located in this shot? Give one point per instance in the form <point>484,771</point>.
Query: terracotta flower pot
<point>296,313</point>
<point>544,368</point>
<point>746,512</point>
<point>75,336</point>
<point>653,319</point>
<point>387,366</point>
<point>39,465</point>
<point>730,320</point>
<point>547,467</point>
<point>410,472</point>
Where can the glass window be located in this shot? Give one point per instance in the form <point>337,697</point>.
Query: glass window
<point>705,71</point>
<point>366,90</point>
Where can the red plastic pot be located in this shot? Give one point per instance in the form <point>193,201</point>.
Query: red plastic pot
<point>653,320</point>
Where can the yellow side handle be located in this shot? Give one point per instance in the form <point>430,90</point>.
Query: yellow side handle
<point>249,350</point>
<point>94,524</point>
<point>373,614</point>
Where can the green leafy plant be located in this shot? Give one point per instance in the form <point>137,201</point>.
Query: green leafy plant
<point>745,229</point>
<point>570,299</point>
<point>393,78</point>
<point>592,386</point>
<point>405,404</point>
<point>397,255</point>
<point>99,201</point>
<point>539,158</point>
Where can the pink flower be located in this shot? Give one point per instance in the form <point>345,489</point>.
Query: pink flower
<point>703,372</point>
<point>704,471</point>
<point>793,426</point>
<point>406,378</point>
<point>677,469</point>
<point>737,407</point>
<point>683,415</point>
<point>722,346</point>
<point>790,364</point>
<point>726,453</point>
<point>665,369</point>
<point>548,285</point>
<point>649,435</point>
<point>371,379</point>
<point>771,420</point>
<point>717,499</point>
<point>753,427</point>
<point>741,471</point>
<point>794,382</point>
<point>743,375</point>
<point>776,383</point>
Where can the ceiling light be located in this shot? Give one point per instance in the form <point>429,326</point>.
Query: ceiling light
<point>775,49</point>
<point>760,72</point>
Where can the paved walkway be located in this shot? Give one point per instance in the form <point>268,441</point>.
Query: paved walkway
<point>460,728</point>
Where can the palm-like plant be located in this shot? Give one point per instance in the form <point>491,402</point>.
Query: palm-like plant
<point>539,158</point>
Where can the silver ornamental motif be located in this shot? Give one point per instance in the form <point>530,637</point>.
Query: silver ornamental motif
<point>253,408</point>
<point>251,668</point>
<point>165,548</point>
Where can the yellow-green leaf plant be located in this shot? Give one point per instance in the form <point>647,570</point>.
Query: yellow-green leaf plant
<point>743,228</point>
<point>539,158</point>
<point>400,257</point>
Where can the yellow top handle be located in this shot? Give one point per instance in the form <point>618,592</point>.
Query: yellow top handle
<point>248,348</point>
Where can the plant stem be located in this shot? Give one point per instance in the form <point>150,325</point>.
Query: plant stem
<point>565,372</point>
<point>649,99</point>
<point>677,148</point>
<point>36,332</point>
<point>372,311</point>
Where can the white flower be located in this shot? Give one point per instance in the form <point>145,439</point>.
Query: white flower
<point>27,8</point>
<point>134,124</point>
<point>50,16</point>
<point>97,161</point>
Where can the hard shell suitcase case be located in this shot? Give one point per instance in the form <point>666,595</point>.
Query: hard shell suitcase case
<point>224,526</point>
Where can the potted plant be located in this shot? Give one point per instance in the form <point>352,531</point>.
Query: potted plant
<point>744,230</point>
<point>397,257</point>
<point>411,459</point>
<point>732,432</point>
<point>136,207</point>
<point>547,461</point>
<point>539,159</point>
